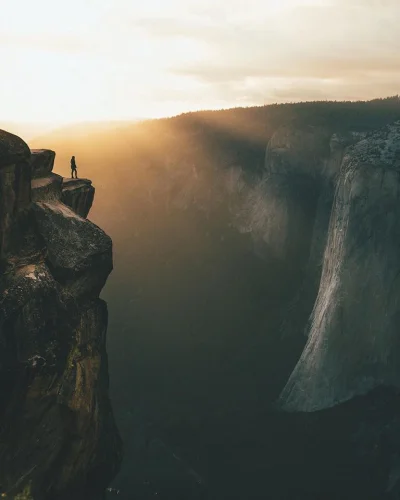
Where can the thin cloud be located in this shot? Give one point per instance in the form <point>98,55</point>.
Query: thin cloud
<point>338,90</point>
<point>58,43</point>
<point>323,67</point>
<point>340,40</point>
<point>102,58</point>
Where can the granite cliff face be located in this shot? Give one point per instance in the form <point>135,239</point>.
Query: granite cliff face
<point>302,168</point>
<point>342,397</point>
<point>353,337</point>
<point>58,438</point>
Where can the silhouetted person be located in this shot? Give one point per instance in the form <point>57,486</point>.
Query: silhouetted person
<point>73,168</point>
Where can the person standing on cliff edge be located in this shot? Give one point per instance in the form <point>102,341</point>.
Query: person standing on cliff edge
<point>73,168</point>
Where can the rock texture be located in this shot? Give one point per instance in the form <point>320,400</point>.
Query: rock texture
<point>302,168</point>
<point>46,188</point>
<point>42,162</point>
<point>339,409</point>
<point>78,194</point>
<point>353,339</point>
<point>14,186</point>
<point>328,207</point>
<point>58,439</point>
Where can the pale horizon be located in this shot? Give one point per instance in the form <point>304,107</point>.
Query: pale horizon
<point>102,60</point>
<point>30,130</point>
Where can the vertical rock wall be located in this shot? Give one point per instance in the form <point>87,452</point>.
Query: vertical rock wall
<point>58,438</point>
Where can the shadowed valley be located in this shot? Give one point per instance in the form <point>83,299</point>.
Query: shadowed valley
<point>253,304</point>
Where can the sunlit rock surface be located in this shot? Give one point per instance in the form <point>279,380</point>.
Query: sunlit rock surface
<point>46,188</point>
<point>58,439</point>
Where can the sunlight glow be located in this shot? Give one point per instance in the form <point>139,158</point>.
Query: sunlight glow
<point>117,59</point>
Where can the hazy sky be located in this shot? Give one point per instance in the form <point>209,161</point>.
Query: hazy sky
<point>74,60</point>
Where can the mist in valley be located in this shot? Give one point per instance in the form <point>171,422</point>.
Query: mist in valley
<point>202,285</point>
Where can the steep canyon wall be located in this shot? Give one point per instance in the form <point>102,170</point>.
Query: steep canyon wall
<point>58,439</point>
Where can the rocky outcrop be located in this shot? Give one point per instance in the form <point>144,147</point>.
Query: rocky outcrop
<point>46,188</point>
<point>78,194</point>
<point>42,162</point>
<point>85,270</point>
<point>58,439</point>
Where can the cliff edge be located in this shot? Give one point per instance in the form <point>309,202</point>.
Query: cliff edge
<point>58,439</point>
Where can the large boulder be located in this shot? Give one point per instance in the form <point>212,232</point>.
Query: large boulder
<point>13,150</point>
<point>42,162</point>
<point>78,252</point>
